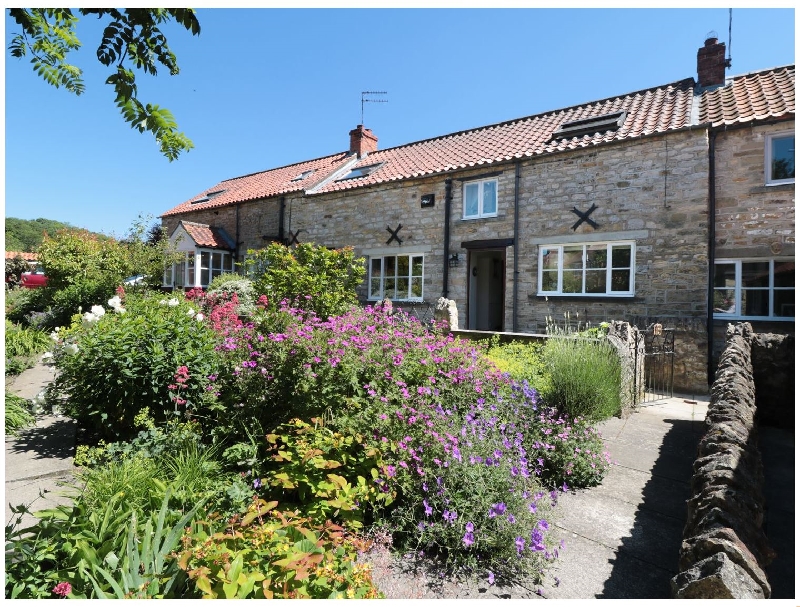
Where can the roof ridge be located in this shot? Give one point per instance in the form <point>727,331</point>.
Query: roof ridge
<point>757,72</point>
<point>286,166</point>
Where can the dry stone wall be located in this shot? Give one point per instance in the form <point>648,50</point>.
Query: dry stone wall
<point>724,550</point>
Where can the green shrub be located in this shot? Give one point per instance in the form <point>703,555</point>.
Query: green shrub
<point>97,553</point>
<point>273,554</point>
<point>584,377</point>
<point>326,475</point>
<point>23,345</point>
<point>522,361</point>
<point>308,277</point>
<point>18,414</point>
<point>155,354</point>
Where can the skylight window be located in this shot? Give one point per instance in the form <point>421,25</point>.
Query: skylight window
<point>590,126</point>
<point>303,175</point>
<point>361,171</point>
<point>208,196</point>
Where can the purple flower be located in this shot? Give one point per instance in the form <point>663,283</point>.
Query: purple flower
<point>491,578</point>
<point>511,518</point>
<point>544,525</point>
<point>469,527</point>
<point>532,507</point>
<point>520,543</point>
<point>257,483</point>
<point>428,509</point>
<point>468,539</point>
<point>425,487</point>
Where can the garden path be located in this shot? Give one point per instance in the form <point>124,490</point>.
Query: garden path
<point>39,461</point>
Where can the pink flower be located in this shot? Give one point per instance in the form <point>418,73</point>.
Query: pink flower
<point>62,589</point>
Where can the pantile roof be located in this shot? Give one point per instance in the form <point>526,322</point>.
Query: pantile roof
<point>758,96</point>
<point>207,236</point>
<point>765,94</point>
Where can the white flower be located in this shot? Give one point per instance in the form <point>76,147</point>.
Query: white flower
<point>47,355</point>
<point>98,311</point>
<point>190,312</point>
<point>71,348</point>
<point>163,302</point>
<point>199,317</point>
<point>89,319</point>
<point>115,302</point>
<point>172,302</point>
<point>54,334</point>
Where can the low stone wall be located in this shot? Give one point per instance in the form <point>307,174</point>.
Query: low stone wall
<point>725,551</point>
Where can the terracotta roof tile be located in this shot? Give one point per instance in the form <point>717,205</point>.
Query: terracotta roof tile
<point>656,110</point>
<point>757,96</point>
<point>25,256</point>
<point>207,236</point>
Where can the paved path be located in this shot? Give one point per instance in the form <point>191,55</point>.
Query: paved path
<point>623,537</point>
<point>39,460</point>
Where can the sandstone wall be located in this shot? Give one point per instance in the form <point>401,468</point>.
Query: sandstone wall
<point>724,550</point>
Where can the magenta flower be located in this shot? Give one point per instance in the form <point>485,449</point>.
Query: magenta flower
<point>62,589</point>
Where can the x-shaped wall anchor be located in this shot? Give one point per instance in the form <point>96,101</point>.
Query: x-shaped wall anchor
<point>293,237</point>
<point>394,235</point>
<point>584,217</point>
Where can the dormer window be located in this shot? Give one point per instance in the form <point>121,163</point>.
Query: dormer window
<point>303,175</point>
<point>361,172</point>
<point>590,126</point>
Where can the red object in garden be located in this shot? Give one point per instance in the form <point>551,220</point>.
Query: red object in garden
<point>33,280</point>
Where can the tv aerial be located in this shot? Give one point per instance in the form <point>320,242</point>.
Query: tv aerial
<point>366,99</point>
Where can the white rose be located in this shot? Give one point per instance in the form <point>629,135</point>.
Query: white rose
<point>98,311</point>
<point>200,317</point>
<point>173,302</point>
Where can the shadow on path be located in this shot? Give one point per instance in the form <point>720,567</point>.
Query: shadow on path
<point>647,558</point>
<point>45,441</point>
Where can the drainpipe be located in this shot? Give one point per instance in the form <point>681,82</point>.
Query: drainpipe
<point>236,238</point>
<point>712,220</point>
<point>281,217</point>
<point>448,199</point>
<point>517,177</point>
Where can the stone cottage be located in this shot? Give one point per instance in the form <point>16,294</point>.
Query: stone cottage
<point>673,204</point>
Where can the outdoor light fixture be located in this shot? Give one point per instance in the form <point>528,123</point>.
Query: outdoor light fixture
<point>453,261</point>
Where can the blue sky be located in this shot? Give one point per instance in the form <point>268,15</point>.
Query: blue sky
<point>262,88</point>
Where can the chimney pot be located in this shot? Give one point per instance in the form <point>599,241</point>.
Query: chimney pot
<point>362,141</point>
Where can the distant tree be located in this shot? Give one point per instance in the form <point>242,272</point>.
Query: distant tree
<point>25,235</point>
<point>48,35</point>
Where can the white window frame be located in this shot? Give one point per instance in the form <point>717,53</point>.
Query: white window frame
<point>379,294</point>
<point>480,183</point>
<point>736,313</point>
<point>193,271</point>
<point>559,250</point>
<point>768,157</point>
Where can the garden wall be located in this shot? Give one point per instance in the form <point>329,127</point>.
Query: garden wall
<point>725,551</point>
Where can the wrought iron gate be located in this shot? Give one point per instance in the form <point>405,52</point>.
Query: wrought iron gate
<point>659,363</point>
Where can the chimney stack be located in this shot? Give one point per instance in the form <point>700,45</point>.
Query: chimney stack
<point>362,141</point>
<point>711,63</point>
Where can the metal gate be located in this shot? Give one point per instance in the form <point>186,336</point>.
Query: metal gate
<point>659,363</point>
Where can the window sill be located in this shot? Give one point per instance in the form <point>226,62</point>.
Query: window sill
<point>777,184</point>
<point>495,216</point>
<point>754,318</point>
<point>574,296</point>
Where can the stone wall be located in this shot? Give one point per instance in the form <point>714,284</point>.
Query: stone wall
<point>724,550</point>
<point>629,344</point>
